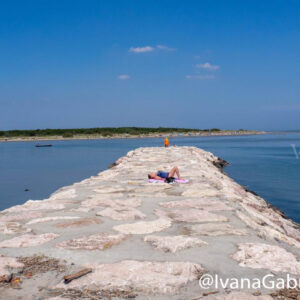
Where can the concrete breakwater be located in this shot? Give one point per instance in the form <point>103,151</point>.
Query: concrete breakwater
<point>147,240</point>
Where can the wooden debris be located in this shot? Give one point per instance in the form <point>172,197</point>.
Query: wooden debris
<point>69,278</point>
<point>210,293</point>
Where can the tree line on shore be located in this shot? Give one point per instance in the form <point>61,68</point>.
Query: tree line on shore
<point>104,131</point>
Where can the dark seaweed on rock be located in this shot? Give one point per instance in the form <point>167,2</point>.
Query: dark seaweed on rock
<point>41,264</point>
<point>92,294</point>
<point>292,294</point>
<point>112,165</point>
<point>220,163</point>
<point>250,191</point>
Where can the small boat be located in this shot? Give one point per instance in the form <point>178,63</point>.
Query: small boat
<point>43,145</point>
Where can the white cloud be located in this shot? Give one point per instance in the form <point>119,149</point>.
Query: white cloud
<point>150,49</point>
<point>200,77</point>
<point>141,49</point>
<point>165,48</point>
<point>208,66</point>
<point>124,77</point>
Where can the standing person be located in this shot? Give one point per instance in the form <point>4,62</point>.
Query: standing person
<point>167,144</point>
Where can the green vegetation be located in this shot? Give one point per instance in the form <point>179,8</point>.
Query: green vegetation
<point>67,135</point>
<point>105,131</point>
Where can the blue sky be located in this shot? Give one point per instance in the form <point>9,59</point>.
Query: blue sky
<point>199,64</point>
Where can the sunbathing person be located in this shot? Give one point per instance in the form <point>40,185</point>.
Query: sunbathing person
<point>160,175</point>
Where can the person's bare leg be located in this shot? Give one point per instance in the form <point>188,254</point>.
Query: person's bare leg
<point>174,171</point>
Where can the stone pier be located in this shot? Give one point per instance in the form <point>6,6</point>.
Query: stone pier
<point>147,240</point>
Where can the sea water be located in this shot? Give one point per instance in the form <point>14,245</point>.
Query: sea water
<point>267,164</point>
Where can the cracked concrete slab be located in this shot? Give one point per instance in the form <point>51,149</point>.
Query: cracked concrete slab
<point>216,229</point>
<point>121,213</point>
<point>148,277</point>
<point>264,256</point>
<point>101,241</point>
<point>28,240</point>
<point>144,227</point>
<point>205,204</point>
<point>20,216</point>
<point>96,223</point>
<point>190,215</point>
<point>96,201</point>
<point>48,219</point>
<point>173,243</point>
<point>79,222</point>
<point>13,227</point>
<point>35,205</point>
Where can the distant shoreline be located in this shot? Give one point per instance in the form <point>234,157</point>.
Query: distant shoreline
<point>132,136</point>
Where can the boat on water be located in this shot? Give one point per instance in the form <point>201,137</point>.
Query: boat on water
<point>43,145</point>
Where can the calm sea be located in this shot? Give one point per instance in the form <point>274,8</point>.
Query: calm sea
<point>266,164</point>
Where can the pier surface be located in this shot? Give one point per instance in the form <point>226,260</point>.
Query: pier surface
<point>146,240</point>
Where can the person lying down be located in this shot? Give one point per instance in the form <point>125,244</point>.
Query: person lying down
<point>160,175</point>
